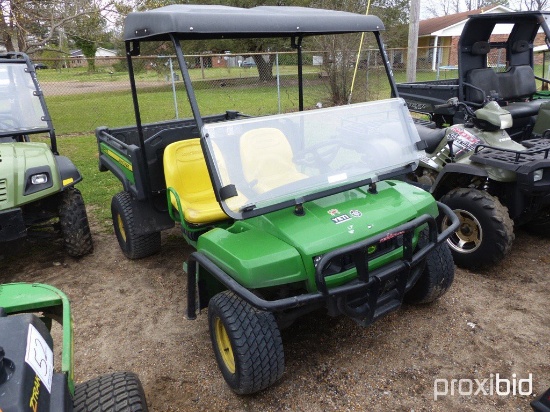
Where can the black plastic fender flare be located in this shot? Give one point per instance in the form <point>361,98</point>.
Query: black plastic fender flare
<point>68,173</point>
<point>451,170</point>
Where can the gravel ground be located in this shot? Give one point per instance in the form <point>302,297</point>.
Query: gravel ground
<point>129,315</point>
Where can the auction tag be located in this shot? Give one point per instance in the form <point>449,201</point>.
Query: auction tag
<point>39,356</point>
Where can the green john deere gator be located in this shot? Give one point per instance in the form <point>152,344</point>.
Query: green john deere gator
<point>287,213</point>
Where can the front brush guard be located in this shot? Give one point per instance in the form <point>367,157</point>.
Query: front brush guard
<point>363,299</point>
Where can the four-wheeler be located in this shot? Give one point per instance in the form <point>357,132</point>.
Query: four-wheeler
<point>29,380</point>
<point>488,180</point>
<point>288,213</point>
<point>492,65</point>
<point>37,185</point>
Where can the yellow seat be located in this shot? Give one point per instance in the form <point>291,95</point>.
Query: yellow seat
<point>185,171</point>
<point>267,159</point>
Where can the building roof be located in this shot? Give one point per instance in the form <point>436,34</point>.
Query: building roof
<point>431,26</point>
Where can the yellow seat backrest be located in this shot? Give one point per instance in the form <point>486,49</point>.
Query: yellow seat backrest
<point>185,171</point>
<point>267,159</point>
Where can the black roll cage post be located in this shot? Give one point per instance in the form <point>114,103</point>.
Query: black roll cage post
<point>387,66</point>
<point>130,52</point>
<point>133,49</point>
<point>220,192</point>
<point>298,46</point>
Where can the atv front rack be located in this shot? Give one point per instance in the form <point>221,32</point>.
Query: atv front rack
<point>371,295</point>
<point>536,158</point>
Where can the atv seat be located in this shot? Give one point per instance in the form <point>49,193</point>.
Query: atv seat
<point>517,86</point>
<point>185,172</point>
<point>480,84</point>
<point>432,137</point>
<point>266,158</point>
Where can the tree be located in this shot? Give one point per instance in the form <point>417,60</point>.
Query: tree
<point>253,46</point>
<point>534,5</point>
<point>437,8</point>
<point>85,31</point>
<point>32,25</point>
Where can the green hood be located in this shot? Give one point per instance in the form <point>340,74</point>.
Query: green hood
<point>16,160</point>
<point>348,217</point>
<point>279,247</point>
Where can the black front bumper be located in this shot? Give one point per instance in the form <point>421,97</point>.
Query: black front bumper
<point>12,225</point>
<point>364,298</point>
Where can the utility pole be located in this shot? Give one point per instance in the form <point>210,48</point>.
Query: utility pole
<point>413,40</point>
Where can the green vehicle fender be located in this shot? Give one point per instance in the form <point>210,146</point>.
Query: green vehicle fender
<point>252,257</point>
<point>36,297</point>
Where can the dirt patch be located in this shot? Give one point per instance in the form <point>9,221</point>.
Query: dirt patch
<point>129,315</point>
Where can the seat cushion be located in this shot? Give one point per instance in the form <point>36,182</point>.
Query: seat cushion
<point>524,109</point>
<point>267,159</point>
<point>432,137</point>
<point>185,172</point>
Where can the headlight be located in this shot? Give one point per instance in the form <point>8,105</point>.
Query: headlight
<point>39,179</point>
<point>537,175</point>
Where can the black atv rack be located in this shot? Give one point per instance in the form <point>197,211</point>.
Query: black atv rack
<point>514,160</point>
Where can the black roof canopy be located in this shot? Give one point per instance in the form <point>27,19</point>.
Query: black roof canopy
<point>209,22</point>
<point>480,26</point>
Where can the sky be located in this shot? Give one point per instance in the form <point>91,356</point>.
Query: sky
<point>425,4</point>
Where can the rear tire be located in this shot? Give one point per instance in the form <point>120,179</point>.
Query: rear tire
<point>119,391</point>
<point>133,246</point>
<point>486,232</point>
<point>247,343</point>
<point>436,278</point>
<point>73,220</point>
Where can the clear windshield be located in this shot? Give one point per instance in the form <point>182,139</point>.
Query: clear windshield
<point>274,159</point>
<point>20,108</point>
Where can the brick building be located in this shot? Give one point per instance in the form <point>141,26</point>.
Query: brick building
<point>438,39</point>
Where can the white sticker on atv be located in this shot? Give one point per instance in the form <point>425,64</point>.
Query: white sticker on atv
<point>39,356</point>
<point>463,141</point>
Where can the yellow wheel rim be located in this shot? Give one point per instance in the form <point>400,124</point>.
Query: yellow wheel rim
<point>121,227</point>
<point>224,345</point>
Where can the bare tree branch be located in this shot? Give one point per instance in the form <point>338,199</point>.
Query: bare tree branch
<point>31,25</point>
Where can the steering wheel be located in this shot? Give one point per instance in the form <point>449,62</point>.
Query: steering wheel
<point>318,155</point>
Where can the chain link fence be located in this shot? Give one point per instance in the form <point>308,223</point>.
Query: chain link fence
<point>220,81</point>
<point>255,84</point>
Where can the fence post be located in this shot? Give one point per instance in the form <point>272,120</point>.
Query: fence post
<point>278,81</point>
<point>173,79</point>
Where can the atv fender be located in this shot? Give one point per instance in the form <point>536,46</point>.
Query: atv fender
<point>68,173</point>
<point>450,172</point>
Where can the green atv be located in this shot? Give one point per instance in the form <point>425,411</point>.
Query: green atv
<point>37,185</point>
<point>288,213</point>
<point>28,380</point>
<point>491,182</point>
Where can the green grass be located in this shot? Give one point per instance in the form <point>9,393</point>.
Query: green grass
<point>83,113</point>
<point>109,73</point>
<point>97,187</point>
